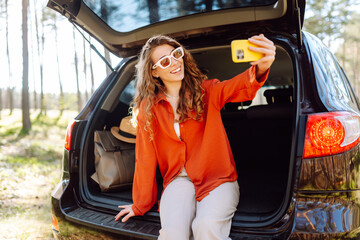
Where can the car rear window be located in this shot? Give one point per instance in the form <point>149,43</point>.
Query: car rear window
<point>128,15</point>
<point>333,86</point>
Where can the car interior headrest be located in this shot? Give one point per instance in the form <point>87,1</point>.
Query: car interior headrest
<point>280,95</point>
<point>235,106</point>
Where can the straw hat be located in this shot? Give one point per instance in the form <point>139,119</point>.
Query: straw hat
<point>126,131</point>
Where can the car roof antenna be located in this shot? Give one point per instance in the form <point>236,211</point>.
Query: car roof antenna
<point>94,48</point>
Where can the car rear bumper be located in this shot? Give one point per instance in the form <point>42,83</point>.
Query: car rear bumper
<point>335,215</point>
<point>74,221</point>
<point>316,216</point>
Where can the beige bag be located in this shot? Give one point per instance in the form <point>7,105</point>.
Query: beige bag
<point>114,162</point>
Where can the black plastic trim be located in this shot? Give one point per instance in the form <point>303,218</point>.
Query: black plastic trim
<point>65,6</point>
<point>134,228</point>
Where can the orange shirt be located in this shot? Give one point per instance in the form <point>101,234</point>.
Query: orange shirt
<point>203,150</point>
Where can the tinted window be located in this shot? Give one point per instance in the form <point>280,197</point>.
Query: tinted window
<point>333,88</point>
<point>128,15</point>
<point>128,93</point>
<point>354,98</point>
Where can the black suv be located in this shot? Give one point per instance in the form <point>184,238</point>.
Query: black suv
<point>296,145</point>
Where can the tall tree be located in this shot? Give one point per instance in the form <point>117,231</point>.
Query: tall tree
<point>26,123</point>
<point>62,97</point>
<point>50,19</point>
<point>32,11</point>
<point>85,70</point>
<point>40,39</point>
<point>91,70</point>
<point>77,73</point>
<point>104,13</point>
<point>153,11</point>
<point>10,90</point>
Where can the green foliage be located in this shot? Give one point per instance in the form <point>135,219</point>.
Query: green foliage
<point>30,168</point>
<point>326,18</point>
<point>349,51</point>
<point>337,24</point>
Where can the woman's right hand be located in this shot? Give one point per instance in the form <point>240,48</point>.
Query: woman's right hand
<point>127,211</point>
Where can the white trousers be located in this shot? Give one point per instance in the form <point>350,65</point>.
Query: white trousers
<point>184,218</point>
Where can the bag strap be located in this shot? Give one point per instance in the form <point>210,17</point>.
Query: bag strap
<point>104,139</point>
<point>110,143</point>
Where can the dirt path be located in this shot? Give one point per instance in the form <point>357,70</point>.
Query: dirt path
<point>30,167</point>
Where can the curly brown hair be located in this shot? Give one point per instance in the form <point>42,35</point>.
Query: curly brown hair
<point>191,105</point>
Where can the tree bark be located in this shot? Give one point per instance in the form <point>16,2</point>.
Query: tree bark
<point>42,96</point>
<point>10,89</point>
<point>40,49</point>
<point>61,99</point>
<point>153,11</point>
<point>77,74</point>
<point>104,15</point>
<point>85,71</point>
<point>32,53</point>
<point>26,123</point>
<point>91,72</point>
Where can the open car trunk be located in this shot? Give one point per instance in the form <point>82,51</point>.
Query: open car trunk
<point>259,131</point>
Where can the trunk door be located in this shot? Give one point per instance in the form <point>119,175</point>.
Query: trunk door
<point>124,26</point>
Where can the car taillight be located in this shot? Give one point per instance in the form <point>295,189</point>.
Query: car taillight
<point>55,223</point>
<point>68,135</point>
<point>331,133</point>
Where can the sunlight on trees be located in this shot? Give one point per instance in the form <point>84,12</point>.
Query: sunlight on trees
<point>76,71</point>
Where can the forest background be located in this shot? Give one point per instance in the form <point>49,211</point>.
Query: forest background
<point>48,73</point>
<point>47,64</point>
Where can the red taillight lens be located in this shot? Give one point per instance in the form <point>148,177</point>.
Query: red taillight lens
<point>331,133</point>
<point>68,135</point>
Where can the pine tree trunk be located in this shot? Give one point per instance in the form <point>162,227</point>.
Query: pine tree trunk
<point>91,73</point>
<point>26,124</point>
<point>61,99</point>
<point>40,48</point>
<point>85,71</point>
<point>9,91</point>
<point>153,7</point>
<point>104,15</point>
<point>11,99</point>
<point>32,54</point>
<point>42,97</point>
<point>77,74</point>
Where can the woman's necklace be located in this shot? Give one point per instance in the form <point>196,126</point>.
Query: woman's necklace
<point>170,95</point>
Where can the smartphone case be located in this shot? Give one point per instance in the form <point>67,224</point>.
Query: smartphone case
<point>240,52</point>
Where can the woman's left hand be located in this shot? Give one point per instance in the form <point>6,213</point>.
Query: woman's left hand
<point>266,47</point>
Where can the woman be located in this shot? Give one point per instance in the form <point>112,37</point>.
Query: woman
<point>179,128</point>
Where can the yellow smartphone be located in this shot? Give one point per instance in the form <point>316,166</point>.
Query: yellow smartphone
<point>240,52</point>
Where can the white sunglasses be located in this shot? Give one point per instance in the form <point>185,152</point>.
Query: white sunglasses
<point>165,61</point>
